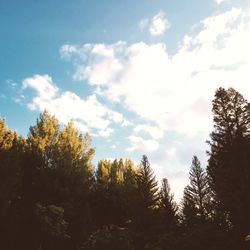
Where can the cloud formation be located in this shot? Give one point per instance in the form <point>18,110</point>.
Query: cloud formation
<point>159,24</point>
<point>220,1</point>
<point>153,131</point>
<point>141,144</point>
<point>88,114</point>
<point>99,58</point>
<point>172,91</point>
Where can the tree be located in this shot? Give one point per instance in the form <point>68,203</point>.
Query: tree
<point>73,149</point>
<point>11,151</point>
<point>52,225</point>
<point>72,180</point>
<point>168,207</point>
<point>196,200</point>
<point>109,238</point>
<point>7,168</point>
<point>189,211</point>
<point>228,167</point>
<point>145,205</point>
<point>42,138</point>
<point>57,170</point>
<point>109,195</point>
<point>147,185</point>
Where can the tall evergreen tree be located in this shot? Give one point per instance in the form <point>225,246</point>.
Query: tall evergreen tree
<point>196,194</point>
<point>188,210</point>
<point>147,185</point>
<point>146,204</point>
<point>228,167</point>
<point>168,206</point>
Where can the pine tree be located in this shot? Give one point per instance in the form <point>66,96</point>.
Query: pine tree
<point>228,167</point>
<point>189,210</point>
<point>147,185</point>
<point>197,194</point>
<point>145,205</point>
<point>167,206</point>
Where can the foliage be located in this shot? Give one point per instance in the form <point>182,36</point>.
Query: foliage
<point>228,167</point>
<point>53,197</point>
<point>109,238</point>
<point>167,206</point>
<point>196,195</point>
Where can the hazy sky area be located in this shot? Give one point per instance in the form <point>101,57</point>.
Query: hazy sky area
<point>138,75</point>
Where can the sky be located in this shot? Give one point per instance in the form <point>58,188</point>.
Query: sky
<point>139,76</point>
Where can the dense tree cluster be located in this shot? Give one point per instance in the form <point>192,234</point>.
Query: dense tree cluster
<point>53,197</point>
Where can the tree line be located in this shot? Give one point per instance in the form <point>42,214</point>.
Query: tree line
<point>53,197</point>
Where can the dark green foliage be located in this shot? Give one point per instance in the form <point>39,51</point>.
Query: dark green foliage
<point>111,192</point>
<point>229,168</point>
<point>52,197</point>
<point>196,195</point>
<point>145,205</point>
<point>167,207</point>
<point>147,185</point>
<point>109,238</point>
<point>54,169</point>
<point>51,223</point>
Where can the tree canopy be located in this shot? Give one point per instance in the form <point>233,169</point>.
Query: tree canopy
<point>53,197</point>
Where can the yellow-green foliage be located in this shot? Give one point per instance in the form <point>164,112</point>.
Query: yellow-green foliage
<point>44,134</point>
<point>72,148</point>
<point>6,136</point>
<point>65,147</point>
<point>115,172</point>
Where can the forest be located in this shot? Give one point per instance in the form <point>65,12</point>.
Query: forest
<point>52,197</point>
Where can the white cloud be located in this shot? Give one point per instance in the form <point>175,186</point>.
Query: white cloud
<point>176,91</point>
<point>126,123</point>
<point>87,113</point>
<point>106,132</point>
<point>177,181</point>
<point>141,144</point>
<point>159,24</point>
<point>43,86</point>
<point>171,151</point>
<point>154,131</point>
<point>99,58</point>
<point>220,1</point>
<point>67,50</point>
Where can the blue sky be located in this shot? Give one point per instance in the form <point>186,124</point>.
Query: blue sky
<point>138,75</point>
